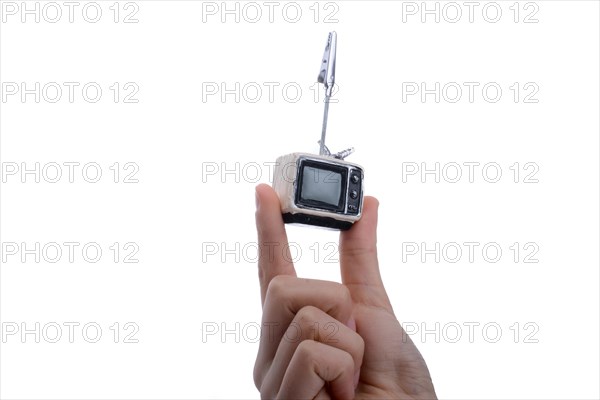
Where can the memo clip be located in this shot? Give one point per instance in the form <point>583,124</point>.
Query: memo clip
<point>327,78</point>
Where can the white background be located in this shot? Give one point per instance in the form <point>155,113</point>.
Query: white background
<point>185,211</point>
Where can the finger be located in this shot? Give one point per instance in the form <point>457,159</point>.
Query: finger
<point>274,258</point>
<point>358,257</point>
<point>311,323</point>
<point>322,395</point>
<point>313,366</point>
<point>285,297</point>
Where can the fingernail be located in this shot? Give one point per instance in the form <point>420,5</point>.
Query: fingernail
<point>257,198</point>
<point>356,378</point>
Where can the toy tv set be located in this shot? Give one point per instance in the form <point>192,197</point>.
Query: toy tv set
<point>320,190</point>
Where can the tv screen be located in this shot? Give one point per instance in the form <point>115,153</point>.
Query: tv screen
<point>321,186</point>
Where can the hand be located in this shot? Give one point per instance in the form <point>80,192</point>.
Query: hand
<point>323,340</point>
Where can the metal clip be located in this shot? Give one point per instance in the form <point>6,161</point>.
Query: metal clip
<point>327,78</point>
<point>327,72</point>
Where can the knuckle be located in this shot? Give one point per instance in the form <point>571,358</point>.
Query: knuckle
<point>358,250</point>
<point>343,302</point>
<point>305,351</point>
<point>277,287</point>
<point>307,316</point>
<point>347,361</point>
<point>308,322</point>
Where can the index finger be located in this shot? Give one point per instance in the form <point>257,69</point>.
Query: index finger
<point>274,258</point>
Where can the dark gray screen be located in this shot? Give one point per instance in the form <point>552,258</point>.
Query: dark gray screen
<point>321,185</point>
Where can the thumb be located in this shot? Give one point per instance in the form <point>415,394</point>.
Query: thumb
<point>358,258</point>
